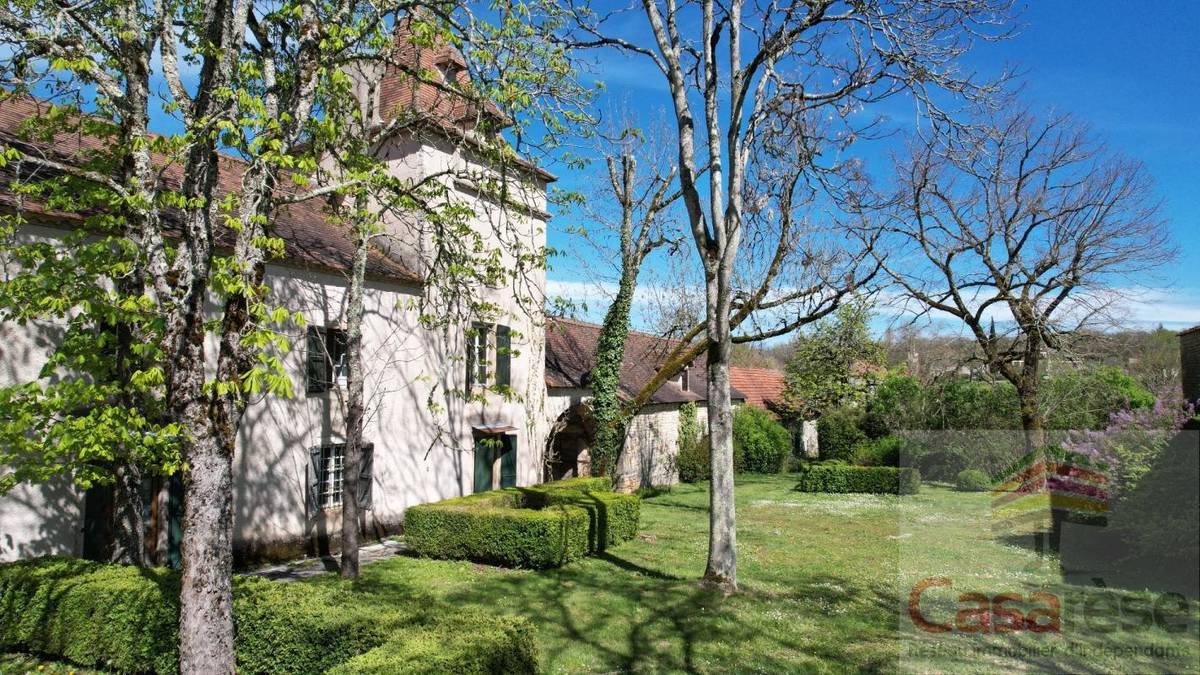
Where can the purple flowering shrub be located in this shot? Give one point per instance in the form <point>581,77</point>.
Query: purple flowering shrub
<point>1133,438</point>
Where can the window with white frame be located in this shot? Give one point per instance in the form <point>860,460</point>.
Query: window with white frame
<point>333,458</point>
<point>477,355</point>
<point>327,473</point>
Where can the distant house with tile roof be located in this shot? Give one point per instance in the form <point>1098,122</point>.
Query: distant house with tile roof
<point>763,388</point>
<point>652,439</point>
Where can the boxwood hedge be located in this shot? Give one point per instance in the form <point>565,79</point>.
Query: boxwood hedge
<point>870,479</point>
<point>541,526</point>
<point>469,644</point>
<point>118,618</point>
<point>125,619</point>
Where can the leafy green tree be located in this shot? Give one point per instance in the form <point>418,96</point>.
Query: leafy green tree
<point>269,78</point>
<point>833,366</point>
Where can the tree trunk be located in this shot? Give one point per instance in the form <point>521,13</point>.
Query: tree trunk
<point>206,593</point>
<point>722,536</point>
<point>610,416</point>
<point>352,461</point>
<point>1032,423</point>
<point>129,528</point>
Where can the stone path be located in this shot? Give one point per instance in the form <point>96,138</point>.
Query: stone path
<point>311,567</point>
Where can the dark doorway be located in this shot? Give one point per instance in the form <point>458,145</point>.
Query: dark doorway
<point>569,444</point>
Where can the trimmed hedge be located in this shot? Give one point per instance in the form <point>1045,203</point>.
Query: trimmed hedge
<point>514,537</point>
<point>541,526</point>
<point>869,479</point>
<point>125,619</point>
<point>119,618</point>
<point>295,628</point>
<point>472,644</point>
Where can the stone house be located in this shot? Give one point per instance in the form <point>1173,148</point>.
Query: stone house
<point>651,442</point>
<point>763,388</point>
<point>426,441</point>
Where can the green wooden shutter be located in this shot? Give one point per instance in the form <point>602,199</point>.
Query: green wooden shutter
<point>316,361</point>
<point>313,495</point>
<point>508,462</point>
<point>364,476</point>
<point>503,356</point>
<point>470,358</point>
<point>484,454</point>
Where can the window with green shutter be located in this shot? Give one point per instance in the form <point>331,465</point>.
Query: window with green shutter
<point>503,356</point>
<point>325,358</point>
<point>477,355</point>
<point>326,469</point>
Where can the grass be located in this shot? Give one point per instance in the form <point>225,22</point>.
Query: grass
<point>824,584</point>
<point>825,580</point>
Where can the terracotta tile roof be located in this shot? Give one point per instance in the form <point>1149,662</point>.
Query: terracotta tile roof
<point>439,107</point>
<point>571,353</point>
<point>763,387</point>
<point>310,239</point>
<point>401,91</point>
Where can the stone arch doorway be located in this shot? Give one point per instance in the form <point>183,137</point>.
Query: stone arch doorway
<point>568,447</point>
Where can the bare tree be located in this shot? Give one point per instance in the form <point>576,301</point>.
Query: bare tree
<point>1027,232</point>
<point>764,97</point>
<point>639,220</point>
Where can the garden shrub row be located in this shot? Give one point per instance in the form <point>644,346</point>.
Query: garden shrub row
<point>542,526</point>
<point>850,478</point>
<point>125,619</point>
<point>470,644</point>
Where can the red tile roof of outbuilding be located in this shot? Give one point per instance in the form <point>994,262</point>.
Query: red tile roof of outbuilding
<point>763,387</point>
<point>571,354</point>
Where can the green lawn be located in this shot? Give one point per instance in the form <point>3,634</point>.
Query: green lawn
<point>825,581</point>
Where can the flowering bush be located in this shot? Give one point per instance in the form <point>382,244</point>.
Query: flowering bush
<point>1134,438</point>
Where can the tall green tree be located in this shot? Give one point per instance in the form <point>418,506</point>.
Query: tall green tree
<point>256,81</point>
<point>836,364</point>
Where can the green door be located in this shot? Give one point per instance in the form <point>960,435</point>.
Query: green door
<point>508,462</point>
<point>484,454</point>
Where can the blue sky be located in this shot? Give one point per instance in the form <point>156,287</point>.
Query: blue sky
<point>1131,70</point>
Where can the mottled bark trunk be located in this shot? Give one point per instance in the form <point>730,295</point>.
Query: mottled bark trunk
<point>610,416</point>
<point>206,592</point>
<point>355,405</point>
<point>1028,389</point>
<point>721,571</point>
<point>129,527</point>
<point>1032,424</point>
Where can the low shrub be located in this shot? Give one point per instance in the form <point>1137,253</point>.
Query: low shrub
<point>972,480</point>
<point>694,462</point>
<point>762,442</point>
<point>884,451</point>
<point>540,526</point>
<point>838,433</point>
<point>501,535</point>
<point>612,517</point>
<point>292,629</point>
<point>123,619</point>
<point>469,644</point>
<point>943,464</point>
<point>869,479</point>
